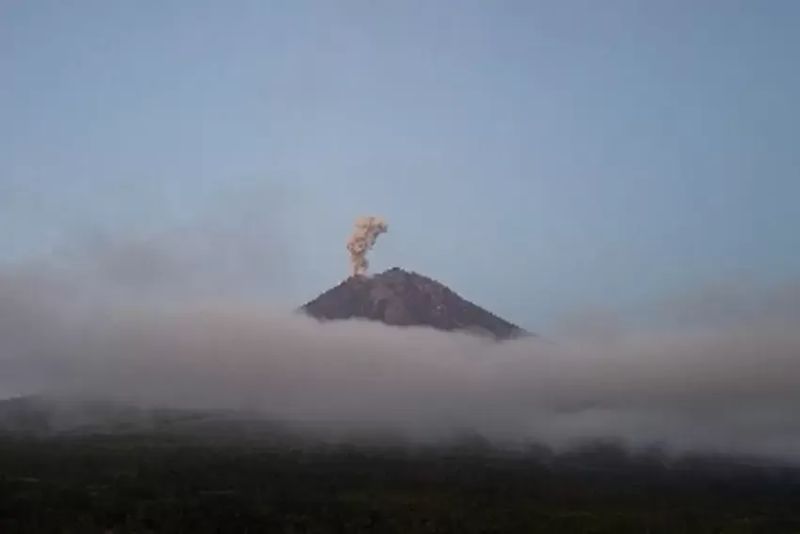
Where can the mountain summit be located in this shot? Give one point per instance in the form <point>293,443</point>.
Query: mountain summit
<point>401,298</point>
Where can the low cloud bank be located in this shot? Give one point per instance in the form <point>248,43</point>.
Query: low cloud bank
<point>729,386</point>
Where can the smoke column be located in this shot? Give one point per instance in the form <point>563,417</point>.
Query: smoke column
<point>365,233</point>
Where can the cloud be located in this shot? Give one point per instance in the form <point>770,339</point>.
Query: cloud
<point>240,246</point>
<point>727,386</point>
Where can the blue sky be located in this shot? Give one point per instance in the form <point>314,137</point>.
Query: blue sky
<point>539,157</point>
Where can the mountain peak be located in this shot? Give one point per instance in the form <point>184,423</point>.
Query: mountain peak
<point>401,298</point>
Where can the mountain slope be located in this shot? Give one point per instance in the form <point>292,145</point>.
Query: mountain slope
<point>400,298</point>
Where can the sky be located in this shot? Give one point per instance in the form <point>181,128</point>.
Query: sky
<point>537,157</point>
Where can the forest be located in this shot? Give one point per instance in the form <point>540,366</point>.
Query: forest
<point>151,482</point>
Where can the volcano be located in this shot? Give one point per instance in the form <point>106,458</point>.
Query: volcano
<point>400,298</point>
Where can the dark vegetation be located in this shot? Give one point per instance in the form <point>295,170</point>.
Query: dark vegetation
<point>162,482</point>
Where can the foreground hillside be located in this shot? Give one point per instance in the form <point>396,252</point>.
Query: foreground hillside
<point>158,482</point>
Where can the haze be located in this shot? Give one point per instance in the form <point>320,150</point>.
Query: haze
<point>175,178</point>
<point>614,153</point>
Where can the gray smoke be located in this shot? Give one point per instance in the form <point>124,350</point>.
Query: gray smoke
<point>365,233</point>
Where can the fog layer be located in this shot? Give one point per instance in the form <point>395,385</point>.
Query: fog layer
<point>718,386</point>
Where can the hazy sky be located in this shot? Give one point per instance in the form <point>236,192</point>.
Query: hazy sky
<point>536,156</point>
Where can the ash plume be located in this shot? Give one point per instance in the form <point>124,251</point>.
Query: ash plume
<point>365,233</point>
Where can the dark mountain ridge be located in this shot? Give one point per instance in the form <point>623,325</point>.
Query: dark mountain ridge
<point>400,298</point>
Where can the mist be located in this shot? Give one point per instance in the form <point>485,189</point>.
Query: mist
<point>710,385</point>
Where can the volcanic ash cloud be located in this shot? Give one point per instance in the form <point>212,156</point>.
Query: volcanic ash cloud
<point>365,233</point>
